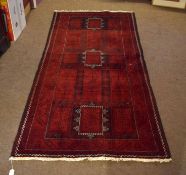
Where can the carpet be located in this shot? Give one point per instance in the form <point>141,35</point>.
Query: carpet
<point>91,97</point>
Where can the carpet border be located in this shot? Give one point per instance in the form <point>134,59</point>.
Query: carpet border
<point>34,84</point>
<point>166,158</point>
<point>151,93</point>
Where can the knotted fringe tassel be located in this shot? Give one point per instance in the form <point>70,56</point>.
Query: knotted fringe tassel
<point>12,171</point>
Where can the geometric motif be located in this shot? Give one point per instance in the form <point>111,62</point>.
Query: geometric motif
<point>93,58</point>
<point>96,115</point>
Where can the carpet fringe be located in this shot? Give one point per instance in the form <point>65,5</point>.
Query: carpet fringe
<point>94,11</point>
<point>92,159</point>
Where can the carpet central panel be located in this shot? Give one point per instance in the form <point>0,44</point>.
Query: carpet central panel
<point>91,97</point>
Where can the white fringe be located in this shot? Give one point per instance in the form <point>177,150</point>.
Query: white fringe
<point>92,159</point>
<point>93,11</point>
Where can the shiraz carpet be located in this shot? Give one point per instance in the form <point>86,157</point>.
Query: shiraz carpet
<point>91,97</point>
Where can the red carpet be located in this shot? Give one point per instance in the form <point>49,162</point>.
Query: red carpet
<point>91,97</point>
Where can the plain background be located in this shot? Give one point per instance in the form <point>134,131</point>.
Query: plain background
<point>163,37</point>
